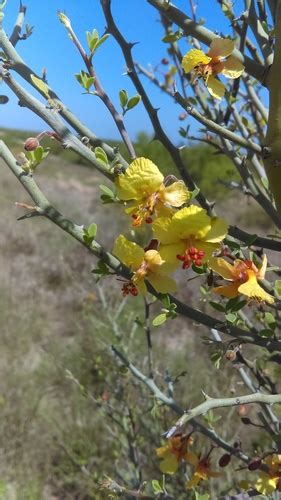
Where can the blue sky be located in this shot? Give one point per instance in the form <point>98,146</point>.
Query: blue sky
<point>50,47</point>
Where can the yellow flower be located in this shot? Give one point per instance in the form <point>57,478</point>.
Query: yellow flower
<point>243,276</point>
<point>217,60</point>
<point>268,480</point>
<point>173,453</point>
<point>144,184</point>
<point>189,236</point>
<point>202,470</point>
<point>146,265</point>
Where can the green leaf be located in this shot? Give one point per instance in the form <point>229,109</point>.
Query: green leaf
<point>165,299</point>
<point>277,288</point>
<point>270,320</point>
<point>92,39</point>
<point>107,191</point>
<point>216,357</point>
<point>85,79</point>
<point>266,333</point>
<point>156,486</point>
<point>217,306</point>
<point>235,304</point>
<point>38,154</point>
<point>231,318</point>
<point>101,155</point>
<point>41,85</point>
<point>251,240</point>
<point>92,230</point>
<point>123,98</point>
<point>160,319</point>
<point>194,193</point>
<point>100,42</point>
<point>172,37</point>
<point>133,101</point>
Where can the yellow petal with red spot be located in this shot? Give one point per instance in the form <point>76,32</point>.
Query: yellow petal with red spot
<point>222,267</point>
<point>230,291</point>
<point>162,284</point>
<point>232,68</point>
<point>131,254</point>
<point>265,484</point>
<point>221,47</point>
<point>176,194</point>
<point>191,221</point>
<point>140,180</point>
<point>193,58</point>
<point>169,465</point>
<point>218,231</point>
<point>215,87</point>
<point>252,289</point>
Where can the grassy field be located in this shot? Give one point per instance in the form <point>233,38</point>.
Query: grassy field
<point>69,413</point>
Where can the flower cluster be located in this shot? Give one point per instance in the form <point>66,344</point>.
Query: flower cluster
<point>184,235</point>
<point>219,60</point>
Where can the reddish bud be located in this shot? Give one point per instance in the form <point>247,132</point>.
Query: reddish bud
<point>254,464</point>
<point>278,484</point>
<point>224,460</point>
<point>230,355</point>
<point>31,144</point>
<point>182,116</point>
<point>243,410</point>
<point>165,61</point>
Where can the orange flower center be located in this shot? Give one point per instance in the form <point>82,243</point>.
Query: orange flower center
<point>145,210</point>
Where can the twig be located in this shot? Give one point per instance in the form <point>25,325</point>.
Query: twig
<point>148,337</point>
<point>214,127</point>
<point>212,403</point>
<point>16,34</point>
<point>100,92</point>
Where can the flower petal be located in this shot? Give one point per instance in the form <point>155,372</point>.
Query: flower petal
<point>222,267</point>
<point>140,180</point>
<point>128,252</point>
<point>230,291</point>
<point>215,87</point>
<point>176,194</point>
<point>221,47</point>
<point>252,289</point>
<point>265,484</point>
<point>193,58</point>
<point>162,284</point>
<point>162,451</point>
<point>169,465</point>
<point>192,458</point>
<point>191,221</point>
<point>193,481</point>
<point>154,260</point>
<point>232,68</point>
<point>218,231</point>
<point>164,231</point>
<point>169,253</point>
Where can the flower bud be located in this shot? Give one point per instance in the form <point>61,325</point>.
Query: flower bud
<point>31,144</point>
<point>230,355</point>
<point>165,61</point>
<point>254,464</point>
<point>224,460</point>
<point>182,116</point>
